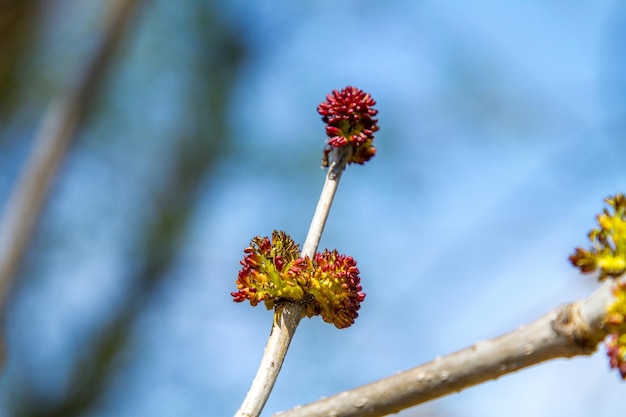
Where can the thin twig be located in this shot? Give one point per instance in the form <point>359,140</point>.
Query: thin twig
<point>287,316</point>
<point>318,222</point>
<point>570,330</point>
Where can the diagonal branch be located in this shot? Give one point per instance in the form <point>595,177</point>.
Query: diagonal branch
<point>287,316</point>
<point>570,330</point>
<point>53,139</point>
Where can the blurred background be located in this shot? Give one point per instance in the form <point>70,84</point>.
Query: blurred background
<point>502,131</point>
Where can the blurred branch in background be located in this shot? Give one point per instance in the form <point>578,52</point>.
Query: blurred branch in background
<point>18,21</point>
<point>197,148</point>
<point>53,139</point>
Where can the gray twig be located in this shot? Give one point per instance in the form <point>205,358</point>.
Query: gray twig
<point>287,316</point>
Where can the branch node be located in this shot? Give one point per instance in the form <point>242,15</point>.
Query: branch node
<point>570,324</point>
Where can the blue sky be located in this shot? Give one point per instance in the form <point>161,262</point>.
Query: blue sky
<point>496,149</point>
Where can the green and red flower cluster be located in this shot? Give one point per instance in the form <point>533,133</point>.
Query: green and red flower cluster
<point>608,257</point>
<point>616,323</point>
<point>608,254</point>
<point>273,272</point>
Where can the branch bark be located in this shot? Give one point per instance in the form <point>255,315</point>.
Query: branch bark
<point>570,330</point>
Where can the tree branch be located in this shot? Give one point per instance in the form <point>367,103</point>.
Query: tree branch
<point>287,316</point>
<point>570,330</point>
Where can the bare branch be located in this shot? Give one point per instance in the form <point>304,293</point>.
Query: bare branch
<point>570,330</point>
<point>318,222</point>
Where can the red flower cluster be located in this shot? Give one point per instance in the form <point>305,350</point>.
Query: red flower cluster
<point>273,271</point>
<point>616,351</point>
<point>349,117</point>
<point>615,323</point>
<point>270,271</point>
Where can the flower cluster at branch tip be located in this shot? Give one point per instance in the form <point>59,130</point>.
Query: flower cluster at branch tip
<point>608,256</point>
<point>609,242</point>
<point>274,272</point>
<point>349,117</point>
